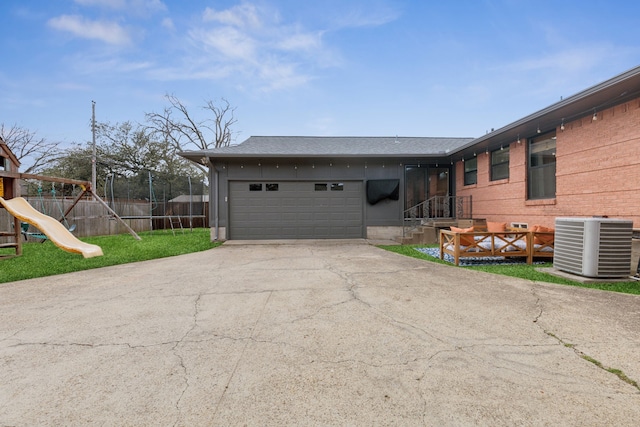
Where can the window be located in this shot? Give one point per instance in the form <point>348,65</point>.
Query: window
<point>471,171</point>
<point>522,225</point>
<point>338,186</point>
<point>500,164</point>
<point>271,187</point>
<point>541,170</point>
<point>255,187</point>
<point>321,187</point>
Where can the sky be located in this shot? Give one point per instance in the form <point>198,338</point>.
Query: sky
<point>452,68</point>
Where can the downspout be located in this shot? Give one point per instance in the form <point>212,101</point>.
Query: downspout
<point>217,204</point>
<point>214,205</point>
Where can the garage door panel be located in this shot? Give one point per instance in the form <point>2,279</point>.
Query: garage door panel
<point>295,211</point>
<point>303,203</point>
<point>271,204</point>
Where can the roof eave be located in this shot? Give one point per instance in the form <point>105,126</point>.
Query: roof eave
<point>198,156</point>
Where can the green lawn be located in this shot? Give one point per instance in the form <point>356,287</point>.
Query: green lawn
<point>45,259</point>
<point>523,271</point>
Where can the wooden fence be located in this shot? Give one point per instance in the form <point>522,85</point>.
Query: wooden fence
<point>93,219</point>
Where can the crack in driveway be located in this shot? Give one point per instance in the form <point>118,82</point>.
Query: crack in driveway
<point>617,372</point>
<point>240,357</point>
<point>177,354</point>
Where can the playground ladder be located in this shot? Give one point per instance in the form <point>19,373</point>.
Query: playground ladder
<point>177,221</point>
<point>14,239</point>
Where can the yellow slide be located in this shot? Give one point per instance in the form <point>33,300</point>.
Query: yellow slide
<point>55,231</point>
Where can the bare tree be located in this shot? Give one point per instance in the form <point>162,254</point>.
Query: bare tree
<point>126,151</point>
<point>183,131</point>
<point>33,152</point>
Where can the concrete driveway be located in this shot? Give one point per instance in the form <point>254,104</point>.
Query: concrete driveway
<point>312,333</point>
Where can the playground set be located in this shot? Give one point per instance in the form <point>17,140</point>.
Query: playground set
<point>24,214</point>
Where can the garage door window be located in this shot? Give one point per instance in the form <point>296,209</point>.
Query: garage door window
<point>321,187</point>
<point>337,186</point>
<point>255,187</point>
<point>272,187</point>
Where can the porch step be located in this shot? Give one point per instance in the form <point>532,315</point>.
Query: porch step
<point>429,231</point>
<point>422,235</point>
<point>440,223</point>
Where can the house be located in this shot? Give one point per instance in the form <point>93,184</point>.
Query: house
<point>9,165</point>
<point>577,157</point>
<point>9,188</point>
<point>323,187</point>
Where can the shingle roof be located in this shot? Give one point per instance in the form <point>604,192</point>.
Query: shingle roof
<point>344,146</point>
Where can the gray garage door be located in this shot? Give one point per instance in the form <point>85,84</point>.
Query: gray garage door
<point>295,210</point>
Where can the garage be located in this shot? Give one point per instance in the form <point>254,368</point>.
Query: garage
<point>295,210</point>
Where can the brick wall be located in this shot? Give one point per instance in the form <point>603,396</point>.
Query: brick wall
<point>597,173</point>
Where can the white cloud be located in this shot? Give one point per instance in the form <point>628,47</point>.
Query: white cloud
<point>243,16</point>
<point>279,76</point>
<point>255,44</point>
<point>168,24</point>
<point>143,7</point>
<point>367,16</point>
<point>570,60</point>
<point>300,41</point>
<point>113,4</point>
<point>108,32</point>
<point>248,45</point>
<point>555,73</point>
<point>192,71</point>
<point>137,6</point>
<point>227,41</point>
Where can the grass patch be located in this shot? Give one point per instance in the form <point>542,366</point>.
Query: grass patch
<point>522,271</point>
<point>614,371</point>
<point>46,259</point>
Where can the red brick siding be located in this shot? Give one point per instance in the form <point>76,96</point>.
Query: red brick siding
<point>597,173</point>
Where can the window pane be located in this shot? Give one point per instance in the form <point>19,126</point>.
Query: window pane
<point>541,172</point>
<point>255,187</point>
<point>470,178</point>
<point>337,186</point>
<point>542,182</point>
<point>500,156</point>
<point>500,172</point>
<point>500,164</point>
<point>271,187</point>
<point>321,187</point>
<point>471,171</point>
<point>471,165</point>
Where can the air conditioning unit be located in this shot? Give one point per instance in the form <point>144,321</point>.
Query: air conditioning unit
<point>593,247</point>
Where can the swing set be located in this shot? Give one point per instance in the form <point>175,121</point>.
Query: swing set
<point>24,226</point>
<point>59,232</point>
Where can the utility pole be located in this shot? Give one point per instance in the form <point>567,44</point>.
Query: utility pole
<point>93,154</point>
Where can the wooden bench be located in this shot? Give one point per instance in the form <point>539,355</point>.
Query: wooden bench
<point>513,243</point>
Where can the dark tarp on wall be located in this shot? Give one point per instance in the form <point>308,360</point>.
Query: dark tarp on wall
<point>380,189</point>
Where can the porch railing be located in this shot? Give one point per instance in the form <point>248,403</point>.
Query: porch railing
<point>437,207</point>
